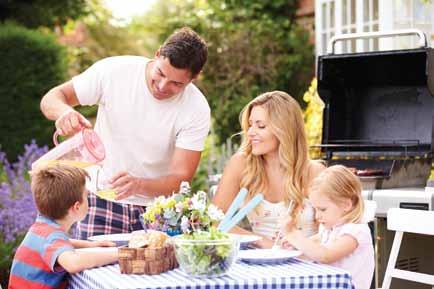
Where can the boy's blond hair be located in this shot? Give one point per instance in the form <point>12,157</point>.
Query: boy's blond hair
<point>57,188</point>
<point>339,184</point>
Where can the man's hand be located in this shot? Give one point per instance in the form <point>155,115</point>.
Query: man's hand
<point>125,185</point>
<point>71,122</point>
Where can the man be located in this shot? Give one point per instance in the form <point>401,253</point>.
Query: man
<point>152,120</point>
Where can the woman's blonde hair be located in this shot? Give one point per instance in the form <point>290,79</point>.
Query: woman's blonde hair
<point>285,120</point>
<point>339,184</point>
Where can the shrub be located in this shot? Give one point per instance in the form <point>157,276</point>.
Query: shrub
<point>313,118</point>
<point>32,63</point>
<point>17,209</point>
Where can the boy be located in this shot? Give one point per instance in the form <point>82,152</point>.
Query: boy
<point>46,253</point>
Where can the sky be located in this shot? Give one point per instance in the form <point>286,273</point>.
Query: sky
<point>125,9</point>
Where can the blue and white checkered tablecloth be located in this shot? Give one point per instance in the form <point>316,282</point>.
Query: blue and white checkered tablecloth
<point>294,274</point>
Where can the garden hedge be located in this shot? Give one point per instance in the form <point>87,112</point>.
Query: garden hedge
<point>31,63</point>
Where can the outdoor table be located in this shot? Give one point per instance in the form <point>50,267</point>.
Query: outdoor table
<point>293,274</point>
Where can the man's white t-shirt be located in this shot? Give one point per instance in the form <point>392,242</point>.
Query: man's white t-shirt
<point>140,132</point>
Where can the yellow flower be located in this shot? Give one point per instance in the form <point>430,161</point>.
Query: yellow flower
<point>169,204</point>
<point>186,203</point>
<point>152,218</point>
<point>172,203</point>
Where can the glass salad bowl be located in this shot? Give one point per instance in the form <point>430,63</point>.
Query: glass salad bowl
<point>205,254</point>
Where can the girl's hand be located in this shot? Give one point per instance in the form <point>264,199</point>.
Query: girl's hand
<point>294,237</point>
<point>286,245</point>
<point>264,243</point>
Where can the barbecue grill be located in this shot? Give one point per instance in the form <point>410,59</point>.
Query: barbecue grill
<point>378,120</point>
<point>378,115</point>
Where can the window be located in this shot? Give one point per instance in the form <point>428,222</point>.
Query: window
<point>412,14</point>
<point>370,23</point>
<point>343,17</point>
<point>327,21</point>
<point>348,24</point>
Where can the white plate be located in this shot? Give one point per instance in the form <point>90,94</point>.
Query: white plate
<point>111,237</point>
<point>98,249</point>
<point>122,239</point>
<point>125,237</point>
<point>246,239</point>
<point>267,256</point>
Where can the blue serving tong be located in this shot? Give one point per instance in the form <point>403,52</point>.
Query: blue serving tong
<point>230,220</point>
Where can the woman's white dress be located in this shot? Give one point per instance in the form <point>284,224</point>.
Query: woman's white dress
<point>265,219</point>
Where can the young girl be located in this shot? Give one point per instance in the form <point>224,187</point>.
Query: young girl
<point>342,241</point>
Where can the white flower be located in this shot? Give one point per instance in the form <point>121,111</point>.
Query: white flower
<point>184,188</point>
<point>202,195</point>
<point>160,200</point>
<point>179,207</point>
<point>185,224</point>
<point>215,213</point>
<point>169,213</point>
<point>198,201</point>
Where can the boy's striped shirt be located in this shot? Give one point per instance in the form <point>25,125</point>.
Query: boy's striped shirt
<point>34,264</point>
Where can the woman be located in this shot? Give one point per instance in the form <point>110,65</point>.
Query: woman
<point>272,160</point>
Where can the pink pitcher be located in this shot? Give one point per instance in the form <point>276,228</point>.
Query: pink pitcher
<point>83,149</point>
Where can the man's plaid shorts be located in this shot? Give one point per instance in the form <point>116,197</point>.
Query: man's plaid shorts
<point>105,217</point>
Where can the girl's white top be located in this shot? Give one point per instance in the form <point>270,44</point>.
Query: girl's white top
<point>359,263</point>
<point>265,220</point>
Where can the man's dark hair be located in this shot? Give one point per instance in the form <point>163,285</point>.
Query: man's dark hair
<point>185,49</point>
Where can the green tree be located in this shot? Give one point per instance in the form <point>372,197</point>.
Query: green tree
<point>101,39</point>
<point>47,13</point>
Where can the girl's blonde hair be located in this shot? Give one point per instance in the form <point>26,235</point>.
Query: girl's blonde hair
<point>286,123</point>
<point>339,184</point>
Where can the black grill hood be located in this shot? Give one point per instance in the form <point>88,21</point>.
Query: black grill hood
<point>378,102</point>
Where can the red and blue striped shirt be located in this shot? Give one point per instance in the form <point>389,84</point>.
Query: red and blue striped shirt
<point>34,264</point>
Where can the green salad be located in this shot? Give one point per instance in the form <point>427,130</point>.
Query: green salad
<point>207,254</point>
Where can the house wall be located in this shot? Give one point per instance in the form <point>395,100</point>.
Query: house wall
<point>306,17</point>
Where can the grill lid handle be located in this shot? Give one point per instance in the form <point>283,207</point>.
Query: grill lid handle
<point>377,34</point>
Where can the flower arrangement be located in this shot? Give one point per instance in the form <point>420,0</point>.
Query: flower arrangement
<point>183,212</point>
